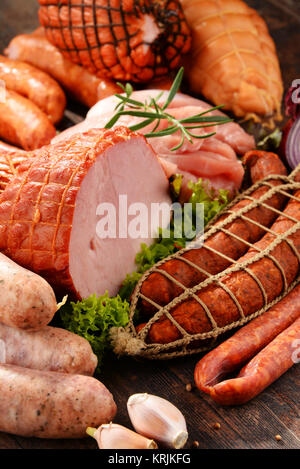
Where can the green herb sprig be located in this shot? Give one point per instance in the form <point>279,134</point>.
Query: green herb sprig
<point>153,113</point>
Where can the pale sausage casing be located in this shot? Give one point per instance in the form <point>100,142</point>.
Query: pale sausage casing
<point>49,349</point>
<point>26,300</point>
<point>46,404</point>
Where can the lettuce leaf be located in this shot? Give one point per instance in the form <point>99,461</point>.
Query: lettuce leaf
<point>92,319</point>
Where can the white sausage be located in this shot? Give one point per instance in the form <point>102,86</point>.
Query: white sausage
<point>46,404</point>
<point>50,348</point>
<point>27,301</point>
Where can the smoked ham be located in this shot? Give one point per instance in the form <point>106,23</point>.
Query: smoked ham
<point>49,212</point>
<point>10,159</point>
<point>233,59</point>
<point>134,40</point>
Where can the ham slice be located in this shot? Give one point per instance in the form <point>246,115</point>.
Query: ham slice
<point>213,158</point>
<point>48,212</point>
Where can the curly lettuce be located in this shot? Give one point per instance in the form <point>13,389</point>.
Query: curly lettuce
<point>92,319</point>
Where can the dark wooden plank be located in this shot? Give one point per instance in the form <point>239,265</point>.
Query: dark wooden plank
<point>254,425</point>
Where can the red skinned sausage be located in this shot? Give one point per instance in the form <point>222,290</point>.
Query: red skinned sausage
<point>232,354</point>
<point>78,82</point>
<point>191,315</point>
<point>265,368</point>
<point>23,124</point>
<point>35,85</point>
<point>162,290</point>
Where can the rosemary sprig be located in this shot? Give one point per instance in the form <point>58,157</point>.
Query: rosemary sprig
<point>152,112</point>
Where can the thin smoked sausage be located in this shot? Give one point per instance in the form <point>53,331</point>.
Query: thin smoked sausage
<point>35,85</point>
<point>78,82</point>
<point>23,124</point>
<point>267,366</point>
<point>244,344</point>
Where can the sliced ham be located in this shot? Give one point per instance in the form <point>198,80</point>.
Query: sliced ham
<point>48,212</point>
<point>213,158</point>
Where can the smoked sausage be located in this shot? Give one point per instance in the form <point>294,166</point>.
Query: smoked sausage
<point>267,366</point>
<point>162,290</point>
<point>23,124</point>
<point>26,300</point>
<point>46,404</point>
<point>191,315</point>
<point>78,82</point>
<point>50,348</point>
<point>35,85</point>
<point>232,354</point>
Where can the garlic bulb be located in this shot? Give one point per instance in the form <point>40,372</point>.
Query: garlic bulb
<point>113,436</point>
<point>157,418</point>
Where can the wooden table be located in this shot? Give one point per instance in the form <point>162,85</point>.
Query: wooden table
<point>253,425</point>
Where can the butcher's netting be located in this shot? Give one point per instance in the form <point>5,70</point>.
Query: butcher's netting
<point>129,341</point>
<point>134,40</point>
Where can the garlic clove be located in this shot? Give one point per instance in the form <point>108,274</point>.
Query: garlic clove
<point>155,417</point>
<point>114,436</point>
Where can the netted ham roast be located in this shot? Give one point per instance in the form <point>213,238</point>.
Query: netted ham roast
<point>133,40</point>
<point>10,159</point>
<point>48,212</point>
<point>233,60</point>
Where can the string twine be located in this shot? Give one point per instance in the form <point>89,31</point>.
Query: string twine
<point>127,341</point>
<point>99,34</point>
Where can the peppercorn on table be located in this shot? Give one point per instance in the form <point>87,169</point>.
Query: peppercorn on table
<point>271,421</point>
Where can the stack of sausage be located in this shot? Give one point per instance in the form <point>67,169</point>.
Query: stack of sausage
<point>34,78</point>
<point>277,330</point>
<point>47,389</point>
<point>31,104</point>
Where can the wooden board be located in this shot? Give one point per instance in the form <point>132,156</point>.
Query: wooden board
<point>253,425</point>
